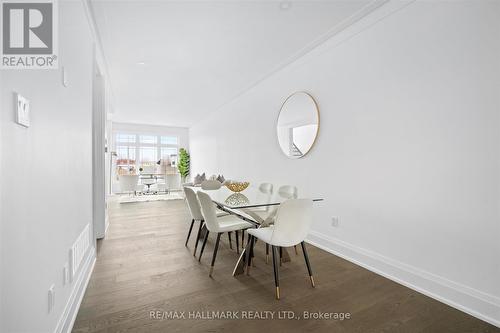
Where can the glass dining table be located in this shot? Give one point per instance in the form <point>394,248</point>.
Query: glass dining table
<point>251,205</point>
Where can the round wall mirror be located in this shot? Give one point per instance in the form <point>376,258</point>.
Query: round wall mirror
<point>298,124</point>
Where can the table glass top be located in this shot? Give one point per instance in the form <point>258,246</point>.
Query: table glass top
<point>250,197</point>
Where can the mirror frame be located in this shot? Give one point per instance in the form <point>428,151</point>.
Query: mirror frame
<point>319,122</point>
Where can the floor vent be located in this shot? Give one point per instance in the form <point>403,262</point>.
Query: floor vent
<point>79,250</point>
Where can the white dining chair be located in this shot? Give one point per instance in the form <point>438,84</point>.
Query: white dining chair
<point>266,188</point>
<point>128,183</point>
<point>196,215</point>
<point>260,213</point>
<point>148,169</point>
<point>218,225</point>
<point>291,226</point>
<point>195,210</point>
<point>285,191</point>
<point>288,192</point>
<point>211,185</point>
<point>149,182</point>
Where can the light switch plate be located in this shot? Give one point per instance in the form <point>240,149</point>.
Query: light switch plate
<point>22,110</point>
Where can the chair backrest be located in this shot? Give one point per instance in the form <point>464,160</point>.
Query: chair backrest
<point>266,188</point>
<point>288,191</point>
<point>211,185</point>
<point>128,182</point>
<point>293,221</point>
<point>193,204</point>
<point>148,169</point>
<point>208,210</point>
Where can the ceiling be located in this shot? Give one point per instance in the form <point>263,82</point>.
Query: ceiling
<point>173,62</point>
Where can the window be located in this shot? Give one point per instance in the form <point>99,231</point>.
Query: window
<point>151,139</point>
<point>142,150</point>
<point>125,159</point>
<point>127,138</point>
<point>169,154</point>
<point>147,155</point>
<point>126,155</point>
<point>168,140</point>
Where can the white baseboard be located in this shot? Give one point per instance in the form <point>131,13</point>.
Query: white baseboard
<point>469,300</point>
<point>67,319</point>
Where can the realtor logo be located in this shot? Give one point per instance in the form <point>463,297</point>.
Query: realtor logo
<point>29,35</point>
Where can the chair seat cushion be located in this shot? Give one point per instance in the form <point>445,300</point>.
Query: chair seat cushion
<point>232,223</point>
<point>264,234</point>
<point>220,213</point>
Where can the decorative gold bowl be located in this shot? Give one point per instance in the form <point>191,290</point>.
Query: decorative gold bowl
<point>237,186</point>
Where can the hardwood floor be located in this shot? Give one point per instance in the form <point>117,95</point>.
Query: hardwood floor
<point>143,266</point>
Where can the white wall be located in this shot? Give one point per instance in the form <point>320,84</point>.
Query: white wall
<point>46,178</point>
<point>2,321</point>
<point>408,154</point>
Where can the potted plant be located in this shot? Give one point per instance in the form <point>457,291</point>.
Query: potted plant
<point>183,164</point>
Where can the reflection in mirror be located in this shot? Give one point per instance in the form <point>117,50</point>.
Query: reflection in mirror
<point>298,124</point>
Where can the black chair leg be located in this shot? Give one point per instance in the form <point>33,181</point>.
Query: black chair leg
<point>252,254</point>
<point>230,242</point>
<point>296,252</point>
<point>267,253</point>
<point>237,242</point>
<point>204,243</point>
<point>242,239</point>
<point>198,238</point>
<point>276,271</point>
<point>248,254</point>
<point>306,257</point>
<point>215,253</point>
<point>189,233</point>
<point>281,255</point>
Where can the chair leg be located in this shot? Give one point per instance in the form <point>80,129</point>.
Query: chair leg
<point>237,242</point>
<point>198,238</point>
<point>204,243</point>
<point>242,239</point>
<point>296,252</point>
<point>281,255</point>
<point>215,253</point>
<point>267,253</point>
<point>230,242</point>
<point>252,254</point>
<point>248,254</point>
<point>306,258</point>
<point>276,272</point>
<point>189,233</point>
